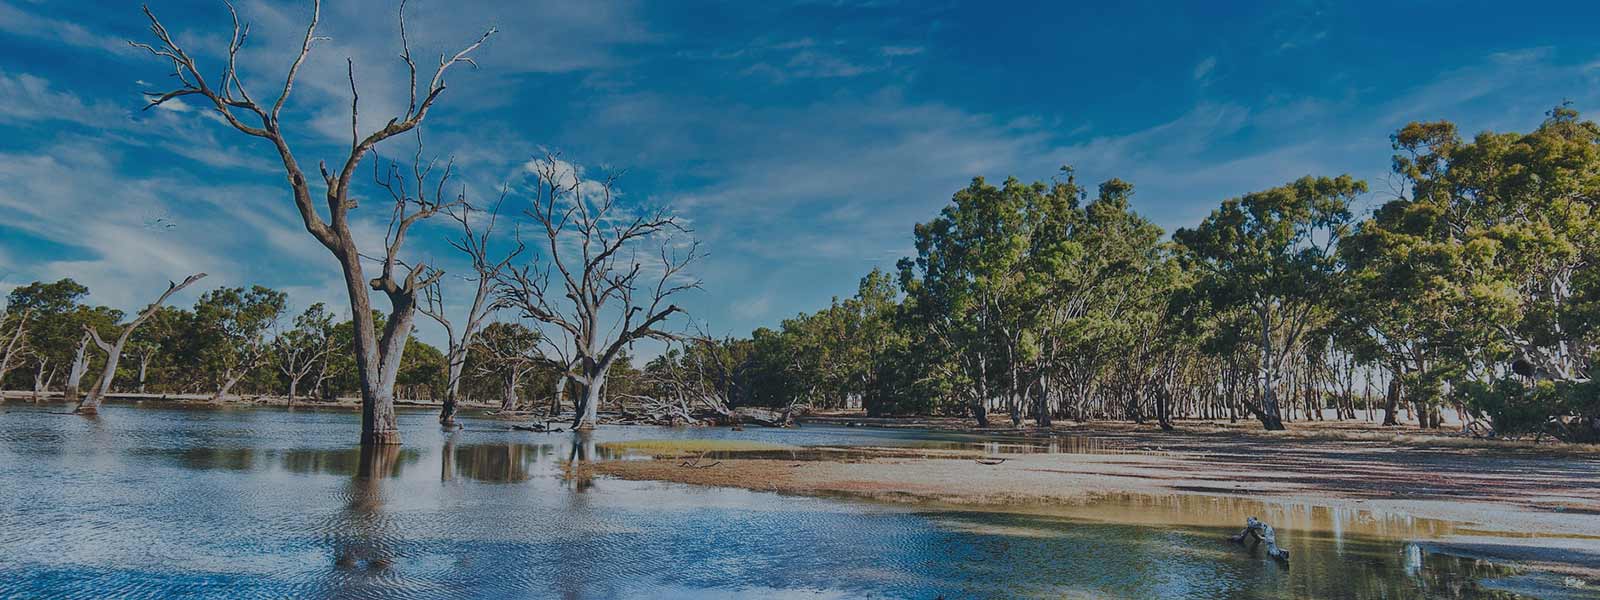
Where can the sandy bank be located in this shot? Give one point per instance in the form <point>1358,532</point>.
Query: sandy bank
<point>1535,507</point>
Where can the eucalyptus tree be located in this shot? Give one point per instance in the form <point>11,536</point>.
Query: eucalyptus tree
<point>56,313</point>
<point>233,324</point>
<point>13,335</point>
<point>113,350</point>
<point>1272,254</point>
<point>964,283</point>
<point>378,356</point>
<point>508,351</point>
<point>474,243</point>
<point>606,275</point>
<point>1516,218</point>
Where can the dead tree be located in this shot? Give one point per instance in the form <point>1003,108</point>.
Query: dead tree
<point>474,244</point>
<point>1258,533</point>
<point>377,356</point>
<point>592,283</point>
<point>91,403</point>
<point>298,355</point>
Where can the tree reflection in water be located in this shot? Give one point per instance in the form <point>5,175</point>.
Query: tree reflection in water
<point>582,451</point>
<point>362,539</point>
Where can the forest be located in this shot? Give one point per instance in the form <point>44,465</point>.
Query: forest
<point>1471,285</point>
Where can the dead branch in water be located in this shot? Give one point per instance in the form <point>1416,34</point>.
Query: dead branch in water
<point>1258,532</point>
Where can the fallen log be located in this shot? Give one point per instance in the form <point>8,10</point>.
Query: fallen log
<point>764,417</point>
<point>1258,533</point>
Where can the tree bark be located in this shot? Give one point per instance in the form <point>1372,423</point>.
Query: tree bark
<point>144,368</point>
<point>80,365</point>
<point>1392,402</point>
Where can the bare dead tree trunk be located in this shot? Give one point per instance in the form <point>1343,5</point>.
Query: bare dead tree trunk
<point>604,300</point>
<point>91,404</point>
<point>377,358</point>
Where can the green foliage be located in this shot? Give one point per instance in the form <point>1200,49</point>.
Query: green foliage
<point>1517,407</point>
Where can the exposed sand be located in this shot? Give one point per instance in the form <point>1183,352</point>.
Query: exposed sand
<point>1534,507</point>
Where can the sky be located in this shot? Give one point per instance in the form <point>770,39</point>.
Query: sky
<point>802,140</point>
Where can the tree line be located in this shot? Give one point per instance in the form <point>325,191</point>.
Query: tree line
<point>1475,287</point>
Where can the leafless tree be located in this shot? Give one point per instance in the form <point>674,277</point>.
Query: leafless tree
<point>299,355</point>
<point>475,244</point>
<point>377,356</point>
<point>593,283</point>
<point>91,403</point>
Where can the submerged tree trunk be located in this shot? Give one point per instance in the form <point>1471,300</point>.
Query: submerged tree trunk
<point>447,412</point>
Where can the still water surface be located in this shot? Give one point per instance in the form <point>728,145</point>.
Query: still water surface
<point>241,503</point>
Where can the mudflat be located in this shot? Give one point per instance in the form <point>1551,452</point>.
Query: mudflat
<point>1524,503</point>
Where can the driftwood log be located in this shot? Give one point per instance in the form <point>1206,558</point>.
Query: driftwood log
<point>1257,533</point>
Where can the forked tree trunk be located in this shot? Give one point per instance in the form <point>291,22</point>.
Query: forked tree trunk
<point>508,393</point>
<point>228,381</point>
<point>41,381</point>
<point>377,360</point>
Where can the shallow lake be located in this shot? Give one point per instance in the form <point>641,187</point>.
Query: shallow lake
<point>146,502</point>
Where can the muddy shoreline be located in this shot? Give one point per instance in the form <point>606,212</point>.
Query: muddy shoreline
<point>1535,506</point>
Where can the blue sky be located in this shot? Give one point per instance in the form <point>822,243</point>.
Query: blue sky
<point>803,140</point>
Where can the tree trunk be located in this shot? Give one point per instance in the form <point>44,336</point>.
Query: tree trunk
<point>508,395</point>
<point>377,361</point>
<point>294,384</point>
<point>80,365</point>
<point>1042,406</point>
<point>1392,402</point>
<point>447,412</point>
<point>144,367</point>
<point>560,392</point>
<point>588,410</point>
<point>228,381</point>
<point>41,381</point>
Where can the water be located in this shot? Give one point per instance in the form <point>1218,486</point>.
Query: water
<point>240,503</point>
